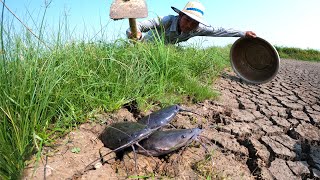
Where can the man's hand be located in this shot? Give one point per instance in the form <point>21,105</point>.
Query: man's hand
<point>139,35</point>
<point>250,34</point>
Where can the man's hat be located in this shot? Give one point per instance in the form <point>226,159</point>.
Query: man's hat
<point>194,10</point>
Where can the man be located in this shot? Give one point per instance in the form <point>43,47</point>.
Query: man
<point>189,23</point>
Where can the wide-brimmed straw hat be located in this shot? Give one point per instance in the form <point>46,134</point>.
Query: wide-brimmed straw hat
<point>194,10</point>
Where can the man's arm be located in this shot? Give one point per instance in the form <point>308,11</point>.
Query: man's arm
<point>222,32</point>
<point>146,25</point>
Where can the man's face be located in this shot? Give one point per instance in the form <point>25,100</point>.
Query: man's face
<point>187,24</point>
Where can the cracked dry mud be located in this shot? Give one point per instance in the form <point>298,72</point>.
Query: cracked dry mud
<point>267,131</point>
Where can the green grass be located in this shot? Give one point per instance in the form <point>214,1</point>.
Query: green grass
<point>299,54</point>
<point>205,169</point>
<point>45,93</point>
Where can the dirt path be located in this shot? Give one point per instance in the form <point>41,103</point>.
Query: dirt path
<point>257,132</point>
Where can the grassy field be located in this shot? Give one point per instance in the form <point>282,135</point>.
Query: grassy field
<point>300,54</point>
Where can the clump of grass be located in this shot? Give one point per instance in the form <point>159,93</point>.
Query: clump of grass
<point>299,54</point>
<point>206,169</point>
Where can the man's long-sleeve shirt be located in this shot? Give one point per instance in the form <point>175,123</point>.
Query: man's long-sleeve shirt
<point>167,27</point>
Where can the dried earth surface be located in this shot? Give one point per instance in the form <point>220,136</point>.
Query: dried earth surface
<point>267,131</point>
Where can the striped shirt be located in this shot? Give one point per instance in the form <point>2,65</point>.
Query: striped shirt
<point>167,27</point>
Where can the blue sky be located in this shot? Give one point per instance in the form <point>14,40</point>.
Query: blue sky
<point>291,23</point>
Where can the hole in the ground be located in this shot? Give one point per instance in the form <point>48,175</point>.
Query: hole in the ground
<point>132,107</point>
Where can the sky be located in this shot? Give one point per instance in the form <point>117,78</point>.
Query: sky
<point>290,23</point>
